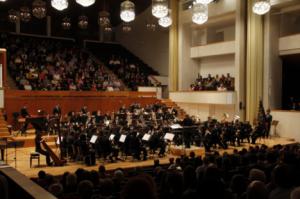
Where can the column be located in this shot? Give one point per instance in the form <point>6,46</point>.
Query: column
<point>254,63</point>
<point>173,47</point>
<point>240,62</point>
<point>18,26</point>
<point>48,28</point>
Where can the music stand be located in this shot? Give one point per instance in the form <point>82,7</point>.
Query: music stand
<point>3,146</point>
<point>275,124</point>
<point>93,139</point>
<point>15,144</point>
<point>169,137</point>
<point>146,137</point>
<point>122,138</point>
<point>111,137</point>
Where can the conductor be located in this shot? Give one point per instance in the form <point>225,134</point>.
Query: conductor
<point>24,113</point>
<point>187,123</point>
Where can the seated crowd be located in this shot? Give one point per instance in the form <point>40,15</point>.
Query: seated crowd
<point>50,64</point>
<point>131,72</point>
<point>213,83</point>
<point>254,173</point>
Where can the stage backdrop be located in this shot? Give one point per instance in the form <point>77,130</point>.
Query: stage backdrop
<point>73,100</point>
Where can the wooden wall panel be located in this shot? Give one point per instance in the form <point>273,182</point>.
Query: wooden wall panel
<point>73,101</point>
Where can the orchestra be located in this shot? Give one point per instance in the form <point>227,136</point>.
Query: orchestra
<point>138,131</point>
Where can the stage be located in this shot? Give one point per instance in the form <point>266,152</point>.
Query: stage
<point>22,162</point>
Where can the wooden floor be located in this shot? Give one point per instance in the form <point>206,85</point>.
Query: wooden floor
<point>22,159</point>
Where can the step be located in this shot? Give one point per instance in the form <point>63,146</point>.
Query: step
<point>4,134</point>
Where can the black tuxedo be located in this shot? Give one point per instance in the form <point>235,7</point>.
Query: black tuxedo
<point>56,110</point>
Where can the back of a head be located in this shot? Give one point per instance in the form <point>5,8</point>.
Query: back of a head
<point>106,186</point>
<point>85,189</point>
<point>3,187</point>
<point>56,189</point>
<point>281,176</point>
<point>295,194</point>
<point>71,180</point>
<point>238,184</point>
<point>102,169</point>
<point>42,174</point>
<point>257,190</point>
<point>137,188</point>
<point>257,174</point>
<point>119,175</point>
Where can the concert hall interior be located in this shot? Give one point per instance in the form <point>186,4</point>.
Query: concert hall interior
<point>149,99</point>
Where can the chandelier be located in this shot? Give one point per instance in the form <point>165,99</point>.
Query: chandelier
<point>25,14</point>
<point>200,13</point>
<point>165,21</point>
<point>261,7</point>
<point>66,23</point>
<point>126,27</point>
<point>160,8</point>
<point>127,13</point>
<point>83,22</point>
<point>39,9</point>
<point>203,1</point>
<point>85,3</point>
<point>13,16</point>
<point>103,19</point>
<point>59,4</point>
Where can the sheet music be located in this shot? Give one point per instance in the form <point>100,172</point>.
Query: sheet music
<point>169,136</point>
<point>176,126</point>
<point>146,137</point>
<point>93,139</point>
<point>122,138</point>
<point>111,137</point>
<point>57,141</point>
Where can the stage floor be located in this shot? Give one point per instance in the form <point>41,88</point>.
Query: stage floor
<point>22,162</point>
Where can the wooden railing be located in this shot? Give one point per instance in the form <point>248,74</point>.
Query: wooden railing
<point>19,186</point>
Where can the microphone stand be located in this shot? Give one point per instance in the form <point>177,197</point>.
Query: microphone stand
<point>59,135</point>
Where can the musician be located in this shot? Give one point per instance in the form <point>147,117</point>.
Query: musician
<point>24,113</point>
<point>3,143</point>
<point>38,148</point>
<point>258,132</point>
<point>187,122</point>
<point>268,122</point>
<point>84,110</point>
<point>57,111</point>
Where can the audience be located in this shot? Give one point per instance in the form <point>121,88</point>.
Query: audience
<point>50,64</point>
<point>254,173</point>
<point>132,74</point>
<point>223,83</point>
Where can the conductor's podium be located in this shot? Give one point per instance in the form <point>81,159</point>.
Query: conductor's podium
<point>180,150</point>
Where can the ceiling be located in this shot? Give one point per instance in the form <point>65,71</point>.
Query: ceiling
<point>73,11</point>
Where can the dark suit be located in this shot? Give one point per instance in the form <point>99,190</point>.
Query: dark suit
<point>24,113</point>
<point>56,110</point>
<point>268,122</point>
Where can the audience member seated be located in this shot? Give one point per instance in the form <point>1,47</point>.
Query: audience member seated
<point>210,83</point>
<point>132,74</point>
<point>274,173</point>
<point>50,64</point>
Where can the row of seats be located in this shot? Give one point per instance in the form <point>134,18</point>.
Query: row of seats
<point>254,173</point>
<point>51,64</point>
